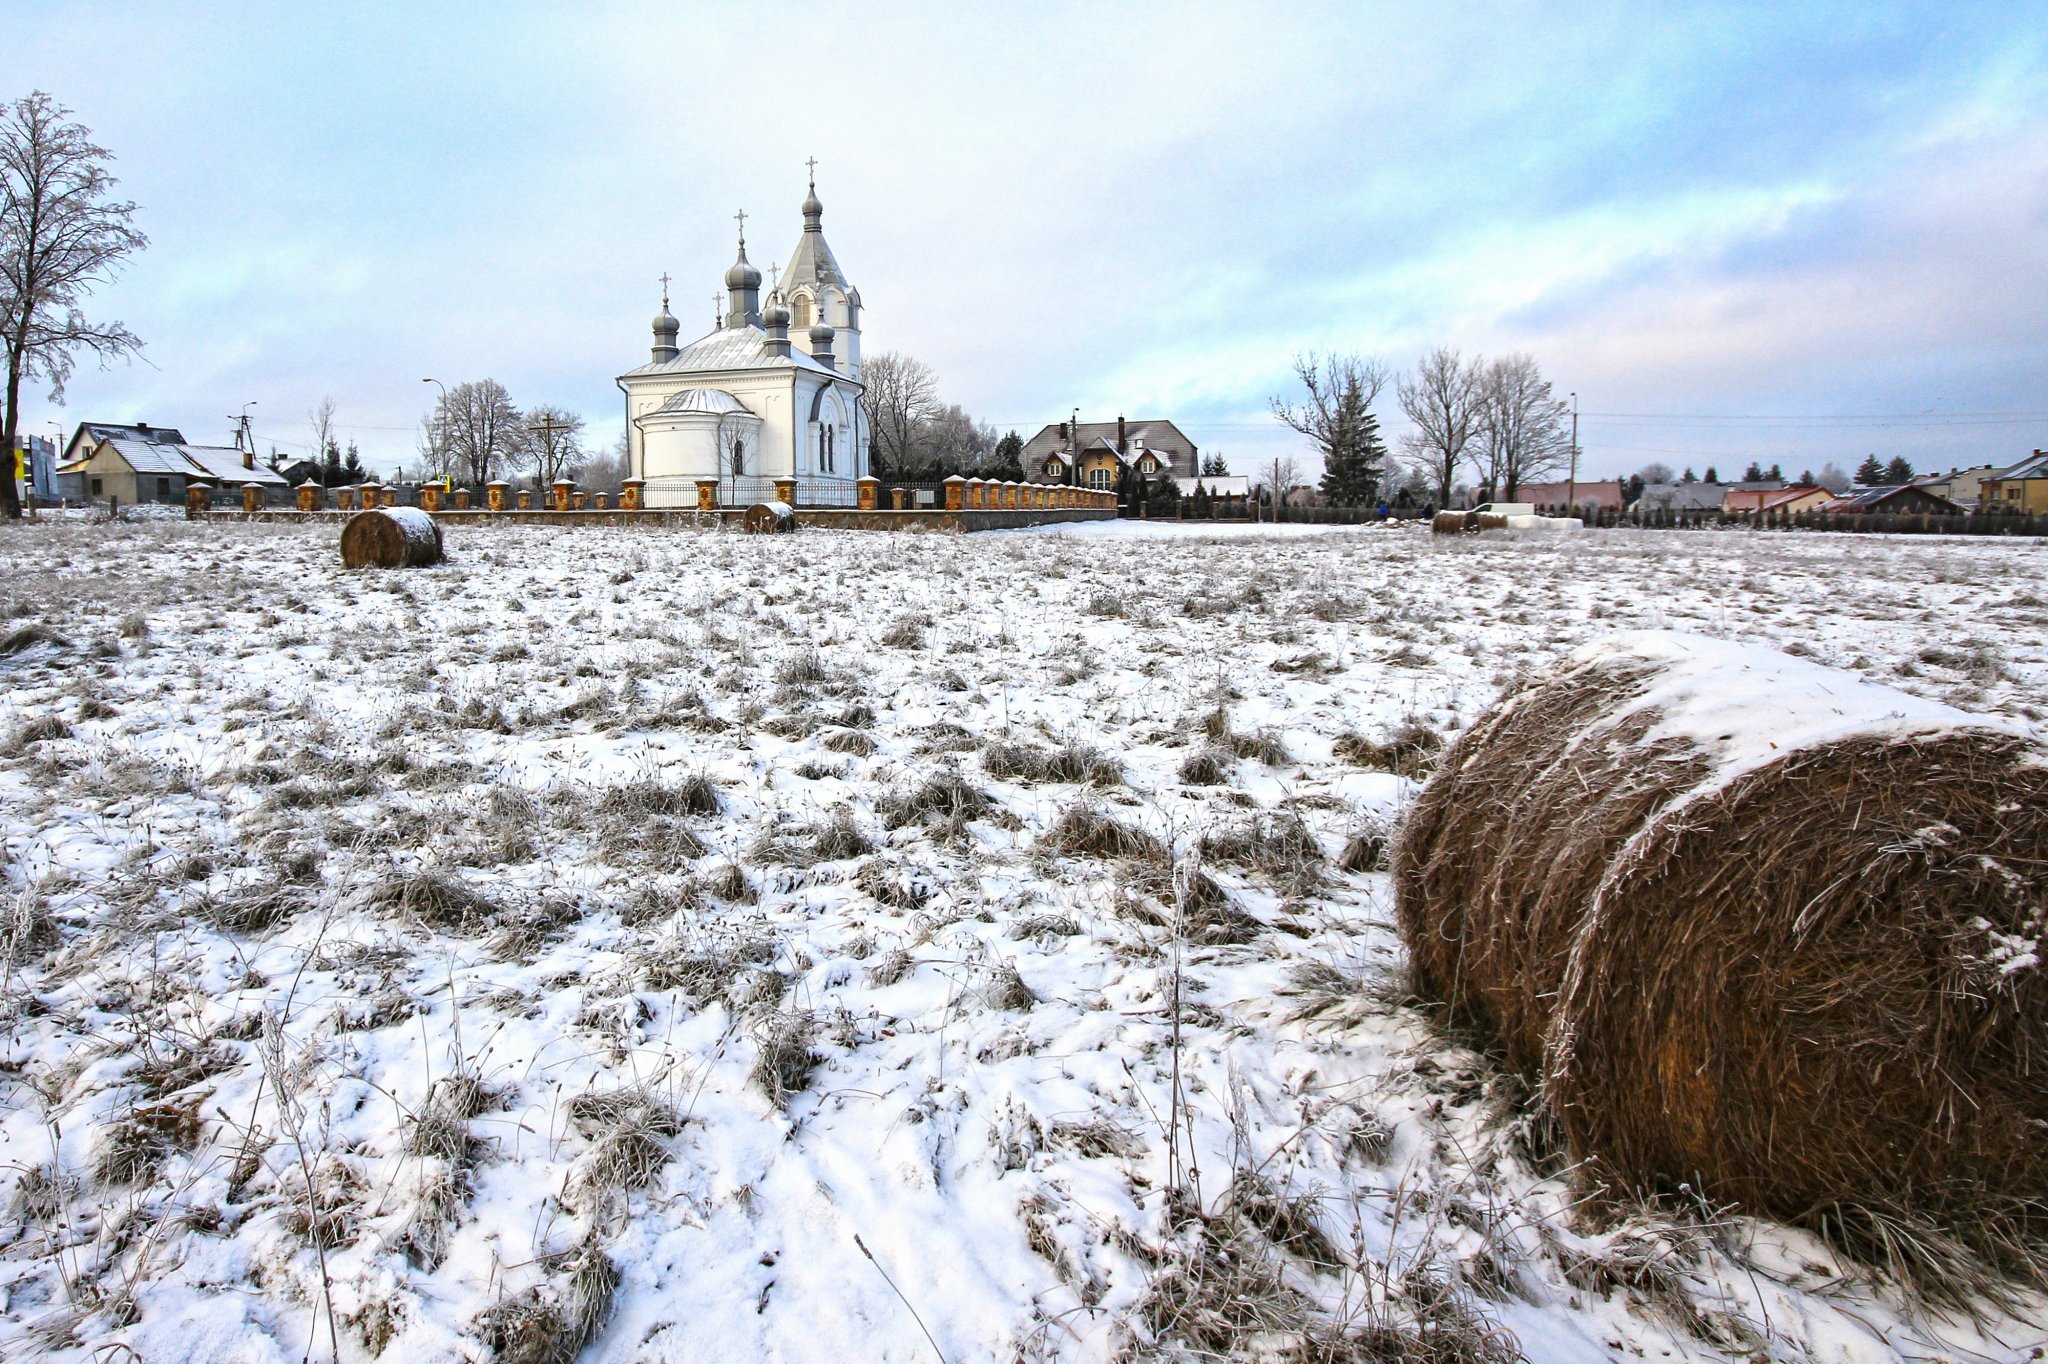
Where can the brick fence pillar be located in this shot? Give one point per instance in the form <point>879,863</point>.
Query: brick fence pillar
<point>600,500</point>
<point>630,499</point>
<point>252,497</point>
<point>198,497</point>
<point>308,495</point>
<point>462,499</point>
<point>430,498</point>
<point>525,499</point>
<point>867,487</point>
<point>561,488</point>
<point>785,491</point>
<point>970,496</point>
<point>494,494</point>
<point>956,492</point>
<point>899,498</point>
<point>345,499</point>
<point>576,500</point>
<point>707,494</point>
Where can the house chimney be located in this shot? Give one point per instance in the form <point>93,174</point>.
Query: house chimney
<point>248,459</point>
<point>1063,432</point>
<point>1120,433</point>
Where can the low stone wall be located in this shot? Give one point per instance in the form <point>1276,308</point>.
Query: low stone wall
<point>824,518</point>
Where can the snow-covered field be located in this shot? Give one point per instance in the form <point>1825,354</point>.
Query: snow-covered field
<point>836,946</point>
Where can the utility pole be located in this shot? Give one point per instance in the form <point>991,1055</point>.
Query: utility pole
<point>1571,487</point>
<point>244,439</point>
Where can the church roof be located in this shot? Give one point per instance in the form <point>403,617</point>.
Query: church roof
<point>731,348</point>
<point>812,264</point>
<point>714,400</point>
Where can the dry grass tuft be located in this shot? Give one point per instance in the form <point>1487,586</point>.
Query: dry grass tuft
<point>1208,766</point>
<point>628,1130</point>
<point>436,900</point>
<point>132,1148</point>
<point>1006,989</point>
<point>1278,845</point>
<point>1412,751</point>
<point>784,1054</point>
<point>40,730</point>
<point>1086,829</point>
<point>1263,746</point>
<point>553,1323</point>
<point>945,800</point>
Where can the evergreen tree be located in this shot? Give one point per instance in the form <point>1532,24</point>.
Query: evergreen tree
<point>1869,473</point>
<point>1898,471</point>
<point>1777,474</point>
<point>352,464</point>
<point>1214,467</point>
<point>1754,473</point>
<point>1009,459</point>
<point>1351,470</point>
<point>330,465</point>
<point>1712,475</point>
<point>1633,490</point>
<point>1690,476</point>
<point>1806,478</point>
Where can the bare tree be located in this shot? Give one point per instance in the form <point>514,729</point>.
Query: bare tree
<point>556,441</point>
<point>1283,473</point>
<point>1330,380</point>
<point>1443,401</point>
<point>1522,434</point>
<point>321,419</point>
<point>481,430</point>
<point>901,397</point>
<point>606,473</point>
<point>60,235</point>
<point>1656,471</point>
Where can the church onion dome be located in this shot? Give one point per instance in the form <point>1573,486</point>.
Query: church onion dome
<point>743,275</point>
<point>664,324</point>
<point>814,212</point>
<point>775,315</point>
<point>713,400</point>
<point>822,333</point>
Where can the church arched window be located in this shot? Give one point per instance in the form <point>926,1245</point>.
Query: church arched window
<point>739,456</point>
<point>828,449</point>
<point>803,311</point>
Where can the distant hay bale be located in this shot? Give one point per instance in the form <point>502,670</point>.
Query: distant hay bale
<point>1450,523</point>
<point>391,537</point>
<point>769,518</point>
<point>1760,926</point>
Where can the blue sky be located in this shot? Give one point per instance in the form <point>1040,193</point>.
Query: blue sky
<point>1793,233</point>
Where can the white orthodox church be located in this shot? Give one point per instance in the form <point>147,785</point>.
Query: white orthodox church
<point>774,392</point>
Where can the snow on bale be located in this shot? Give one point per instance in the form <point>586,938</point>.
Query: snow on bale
<point>769,518</point>
<point>1760,926</point>
<point>391,537</point>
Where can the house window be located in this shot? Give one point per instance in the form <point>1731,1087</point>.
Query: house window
<point>1148,465</point>
<point>95,487</point>
<point>1098,477</point>
<point>163,488</point>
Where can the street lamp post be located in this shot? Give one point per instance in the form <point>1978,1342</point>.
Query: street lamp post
<point>1571,487</point>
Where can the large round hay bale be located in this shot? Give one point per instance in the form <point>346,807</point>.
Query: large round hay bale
<point>769,518</point>
<point>1449,523</point>
<point>1760,926</point>
<point>391,537</point>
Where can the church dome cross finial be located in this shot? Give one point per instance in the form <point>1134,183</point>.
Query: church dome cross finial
<point>814,212</point>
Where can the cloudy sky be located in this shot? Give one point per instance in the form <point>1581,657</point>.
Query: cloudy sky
<point>1785,232</point>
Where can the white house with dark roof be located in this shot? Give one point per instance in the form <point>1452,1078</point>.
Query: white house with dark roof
<point>768,394</point>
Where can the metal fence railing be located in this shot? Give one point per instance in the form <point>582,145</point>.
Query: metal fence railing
<point>745,490</point>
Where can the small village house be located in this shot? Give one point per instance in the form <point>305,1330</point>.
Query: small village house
<point>1582,497</point>
<point>1960,486</point>
<point>1902,500</point>
<point>1095,454</point>
<point>138,471</point>
<point>2021,489</point>
<point>1778,501</point>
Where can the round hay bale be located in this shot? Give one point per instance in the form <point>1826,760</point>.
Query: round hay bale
<point>1448,523</point>
<point>1760,926</point>
<point>1488,521</point>
<point>769,518</point>
<point>391,537</point>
